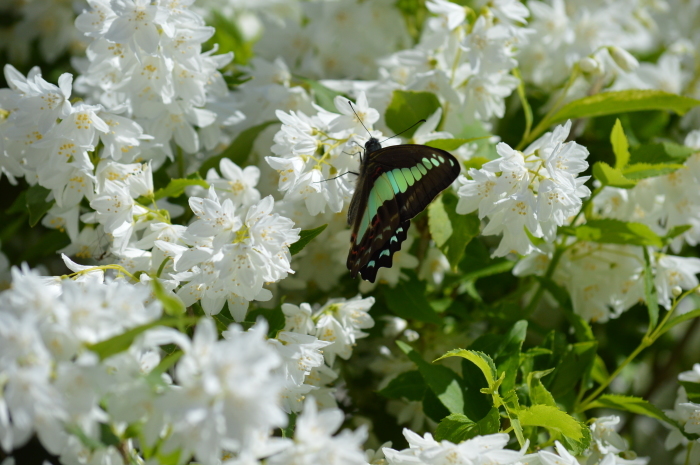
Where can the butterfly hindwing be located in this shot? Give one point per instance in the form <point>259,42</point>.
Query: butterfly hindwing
<point>396,183</point>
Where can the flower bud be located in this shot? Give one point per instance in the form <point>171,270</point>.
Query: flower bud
<point>623,58</point>
<point>590,65</point>
<point>411,335</point>
<point>676,291</point>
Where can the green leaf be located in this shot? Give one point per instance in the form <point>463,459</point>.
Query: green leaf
<point>631,404</point>
<point>323,96</point>
<point>620,145</point>
<point>676,320</point>
<point>663,152</point>
<point>512,406</point>
<point>172,305</point>
<point>457,428</point>
<point>407,108</point>
<point>154,378</point>
<point>497,267</point>
<point>408,300</point>
<point>37,206</point>
<point>650,294</point>
<point>408,385</point>
<point>305,236</point>
<point>452,144</point>
<point>480,359</point>
<point>442,381</point>
<point>608,231</point>
<point>676,231</point>
<point>552,418</point>
<point>599,372</point>
<point>610,103</point>
<point>637,171</point>
<point>229,38</point>
<point>122,342</point>
<point>508,359</point>
<point>610,176</point>
<point>538,393</point>
<point>239,150</point>
<point>574,365</point>
<point>274,316</point>
<point>176,187</point>
<point>692,390</point>
<point>450,230</point>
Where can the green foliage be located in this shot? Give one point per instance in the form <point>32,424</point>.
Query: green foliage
<point>409,107</point>
<point>607,231</point>
<point>408,300</point>
<point>176,187</point>
<point>36,203</point>
<point>450,230</point>
<point>457,427</point>
<point>305,236</point>
<point>323,96</point>
<point>239,150</point>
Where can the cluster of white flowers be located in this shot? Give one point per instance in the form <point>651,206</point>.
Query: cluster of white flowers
<point>687,414</point>
<point>529,192</point>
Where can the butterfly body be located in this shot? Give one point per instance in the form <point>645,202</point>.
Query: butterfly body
<point>394,185</point>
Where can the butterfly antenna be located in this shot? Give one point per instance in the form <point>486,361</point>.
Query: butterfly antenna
<point>407,129</point>
<point>330,179</point>
<point>359,119</point>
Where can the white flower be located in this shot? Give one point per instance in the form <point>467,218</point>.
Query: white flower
<point>675,272</point>
<point>136,23</point>
<point>563,457</point>
<point>235,183</point>
<point>606,440</point>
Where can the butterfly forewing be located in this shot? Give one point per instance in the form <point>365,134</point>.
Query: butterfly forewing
<point>396,184</point>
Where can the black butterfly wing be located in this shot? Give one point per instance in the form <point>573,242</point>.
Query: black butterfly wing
<point>397,184</point>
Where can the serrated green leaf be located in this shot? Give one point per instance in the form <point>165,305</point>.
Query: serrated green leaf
<point>538,393</point>
<point>631,404</point>
<point>620,145</point>
<point>172,305</point>
<point>637,171</point>
<point>407,299</point>
<point>610,103</point>
<point>650,294</point>
<point>442,381</point>
<point>176,187</point>
<point>609,231</point>
<point>452,144</point>
<point>239,150</point>
<point>663,152</point>
<point>457,428</point>
<point>323,96</point>
<point>480,359</point>
<point>37,206</point>
<point>609,176</point>
<point>407,108</point>
<point>305,236</point>
<point>552,418</point>
<point>408,385</point>
<point>122,342</point>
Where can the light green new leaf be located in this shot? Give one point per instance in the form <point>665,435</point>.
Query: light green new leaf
<point>409,107</point>
<point>610,103</point>
<point>305,236</point>
<point>480,359</point>
<point>552,418</point>
<point>239,150</point>
<point>613,177</point>
<point>637,171</point>
<point>438,222</point>
<point>620,145</point>
<point>122,342</point>
<point>442,381</point>
<point>172,305</point>
<point>538,393</point>
<point>452,144</point>
<point>608,231</point>
<point>676,231</point>
<point>631,404</point>
<point>176,187</point>
<point>663,152</point>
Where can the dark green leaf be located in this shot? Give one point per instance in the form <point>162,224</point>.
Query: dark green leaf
<point>610,103</point>
<point>663,152</point>
<point>107,436</point>
<point>692,390</point>
<point>408,385</point>
<point>442,381</point>
<point>239,150</point>
<point>457,427</point>
<point>620,146</point>
<point>608,231</point>
<point>305,236</point>
<point>576,363</point>
<point>409,107</point>
<point>37,206</point>
<point>476,403</point>
<point>450,230</point>
<point>650,294</point>
<point>599,373</point>
<point>433,407</point>
<point>408,300</point>
<point>274,316</point>
<point>610,176</point>
<point>508,359</point>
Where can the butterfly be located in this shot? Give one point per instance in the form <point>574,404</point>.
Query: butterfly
<point>394,184</point>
